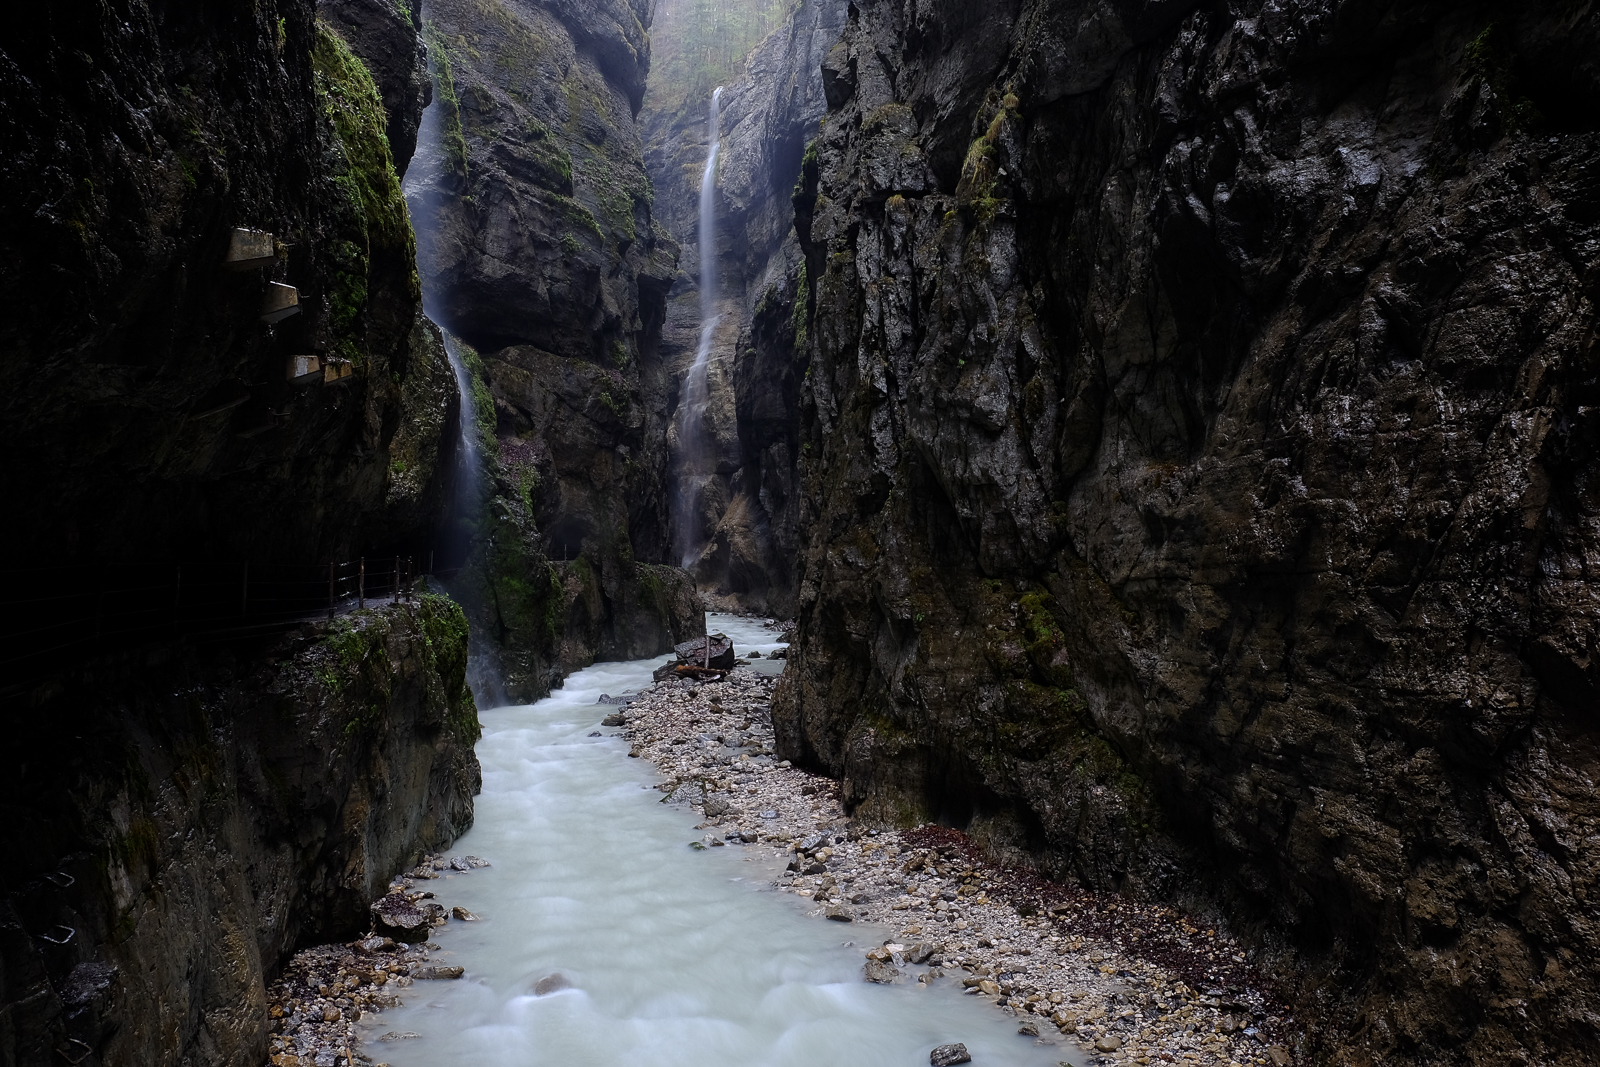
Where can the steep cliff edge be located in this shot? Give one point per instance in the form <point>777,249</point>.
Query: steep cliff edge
<point>746,491</point>
<point>186,812</point>
<point>145,401</point>
<point>1198,463</point>
<point>180,825</point>
<point>542,256</point>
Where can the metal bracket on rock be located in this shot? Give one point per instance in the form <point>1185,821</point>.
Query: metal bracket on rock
<point>85,1054</point>
<point>71,933</point>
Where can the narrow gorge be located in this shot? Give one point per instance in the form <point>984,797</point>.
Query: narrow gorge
<point>1143,453</point>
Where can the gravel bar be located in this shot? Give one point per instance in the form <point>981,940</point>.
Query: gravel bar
<point>1126,982</point>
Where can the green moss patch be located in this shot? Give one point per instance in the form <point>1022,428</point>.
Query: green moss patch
<point>374,221</point>
<point>454,140</point>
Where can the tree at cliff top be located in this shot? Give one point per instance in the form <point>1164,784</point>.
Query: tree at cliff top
<point>701,44</point>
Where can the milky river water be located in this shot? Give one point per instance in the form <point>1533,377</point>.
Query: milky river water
<point>674,956</point>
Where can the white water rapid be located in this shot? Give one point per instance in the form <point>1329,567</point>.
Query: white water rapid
<point>695,391</point>
<point>676,957</point>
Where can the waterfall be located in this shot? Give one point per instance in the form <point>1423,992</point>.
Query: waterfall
<point>692,443</point>
<point>427,185</point>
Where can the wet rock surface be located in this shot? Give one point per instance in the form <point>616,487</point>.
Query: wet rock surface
<point>383,33</point>
<point>223,817</point>
<point>1198,448</point>
<point>1148,982</point>
<point>145,400</point>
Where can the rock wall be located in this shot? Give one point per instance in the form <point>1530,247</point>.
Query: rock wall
<point>541,254</point>
<point>145,405</point>
<point>180,824</point>
<point>1197,457</point>
<point>183,814</point>
<point>747,494</point>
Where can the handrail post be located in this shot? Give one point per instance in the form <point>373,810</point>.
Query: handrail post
<point>330,591</point>
<point>361,585</point>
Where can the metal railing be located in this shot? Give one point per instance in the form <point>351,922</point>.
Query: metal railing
<point>56,615</point>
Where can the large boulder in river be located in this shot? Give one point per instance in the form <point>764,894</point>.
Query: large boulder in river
<point>693,652</point>
<point>402,918</point>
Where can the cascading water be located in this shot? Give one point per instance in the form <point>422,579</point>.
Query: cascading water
<point>426,185</point>
<point>670,957</point>
<point>692,444</point>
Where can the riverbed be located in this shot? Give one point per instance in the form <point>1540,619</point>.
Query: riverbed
<point>667,954</point>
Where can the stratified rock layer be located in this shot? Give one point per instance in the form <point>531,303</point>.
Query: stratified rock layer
<point>210,820</point>
<point>1199,473</point>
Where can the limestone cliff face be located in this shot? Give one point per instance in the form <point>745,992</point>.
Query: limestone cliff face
<point>746,491</point>
<point>179,826</point>
<point>145,403</point>
<point>543,257</point>
<point>1198,452</point>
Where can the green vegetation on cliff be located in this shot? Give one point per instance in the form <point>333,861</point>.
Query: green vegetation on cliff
<point>373,221</point>
<point>455,143</point>
<point>357,665</point>
<point>701,44</point>
<point>351,102</point>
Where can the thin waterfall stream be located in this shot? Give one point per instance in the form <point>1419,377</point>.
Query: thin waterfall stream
<point>695,392</point>
<point>674,956</point>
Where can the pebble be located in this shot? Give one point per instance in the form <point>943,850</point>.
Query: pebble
<point>880,972</point>
<point>550,983</point>
<point>324,991</point>
<point>1129,983</point>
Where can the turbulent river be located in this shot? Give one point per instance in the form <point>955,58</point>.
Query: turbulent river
<point>674,956</point>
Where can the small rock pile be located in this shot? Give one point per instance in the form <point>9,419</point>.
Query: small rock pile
<point>324,991</point>
<point>1128,983</point>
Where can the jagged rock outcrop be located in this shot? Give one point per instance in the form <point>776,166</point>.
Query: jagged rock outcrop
<point>203,819</point>
<point>747,497</point>
<point>1198,448</point>
<point>542,255</point>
